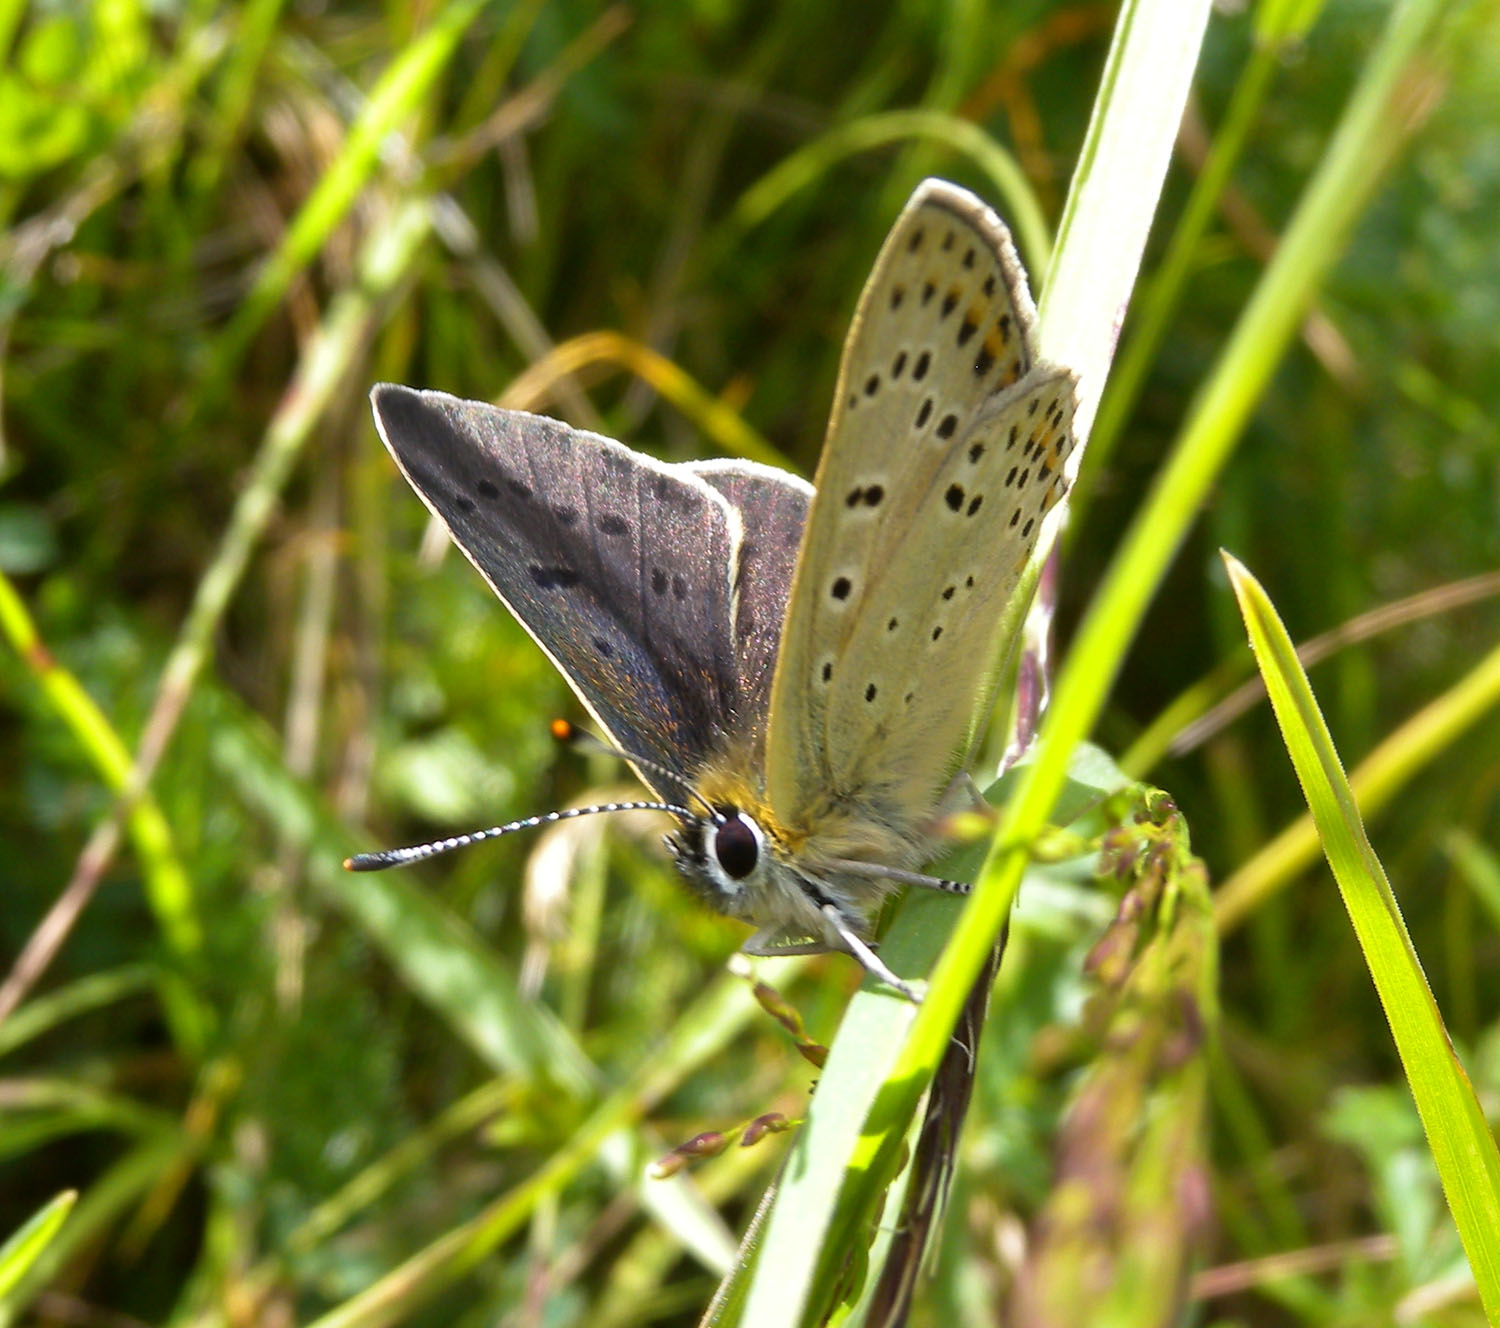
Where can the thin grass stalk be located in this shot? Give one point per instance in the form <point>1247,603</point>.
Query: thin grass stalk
<point>321,376</point>
<point>1369,135</point>
<point>1159,300</point>
<point>410,79</point>
<point>813,161</point>
<point>1458,1134</point>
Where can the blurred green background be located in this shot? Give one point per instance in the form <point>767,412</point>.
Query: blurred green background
<point>224,223</point>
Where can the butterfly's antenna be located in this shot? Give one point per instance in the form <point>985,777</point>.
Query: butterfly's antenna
<point>566,731</point>
<point>399,857</point>
<point>880,872</point>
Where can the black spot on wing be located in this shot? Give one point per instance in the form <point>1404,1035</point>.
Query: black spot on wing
<point>552,578</point>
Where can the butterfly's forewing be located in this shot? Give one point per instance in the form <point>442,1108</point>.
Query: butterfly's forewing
<point>620,567</point>
<point>885,654</point>
<point>773,510</point>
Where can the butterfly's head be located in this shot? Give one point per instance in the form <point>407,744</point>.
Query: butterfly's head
<point>736,862</point>
<point>741,860</point>
<point>729,853</point>
<point>736,856</point>
<point>723,856</point>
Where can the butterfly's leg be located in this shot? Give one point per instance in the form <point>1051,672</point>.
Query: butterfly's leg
<point>770,943</point>
<point>977,798</point>
<point>867,957</point>
<point>962,794</point>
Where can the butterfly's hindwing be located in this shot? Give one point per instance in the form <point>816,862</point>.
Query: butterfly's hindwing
<point>772,506</point>
<point>618,565</point>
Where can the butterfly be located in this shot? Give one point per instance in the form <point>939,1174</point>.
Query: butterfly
<point>797,672</point>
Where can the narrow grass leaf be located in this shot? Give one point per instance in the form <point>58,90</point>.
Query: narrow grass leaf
<point>43,1013</point>
<point>1457,1133</point>
<point>811,162</point>
<point>412,76</point>
<point>843,1136</point>
<point>29,1240</point>
<point>1377,779</point>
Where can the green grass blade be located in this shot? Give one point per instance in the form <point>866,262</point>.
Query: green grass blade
<point>811,162</point>
<point>32,1237</point>
<point>1377,779</point>
<point>412,76</point>
<point>1116,184</point>
<point>91,992</point>
<point>1457,1133</point>
<point>167,885</point>
<point>1361,149</point>
<point>845,1136</point>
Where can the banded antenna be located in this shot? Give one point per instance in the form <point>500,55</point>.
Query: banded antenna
<point>566,732</point>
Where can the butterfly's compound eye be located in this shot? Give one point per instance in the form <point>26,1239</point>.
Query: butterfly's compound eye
<point>737,845</point>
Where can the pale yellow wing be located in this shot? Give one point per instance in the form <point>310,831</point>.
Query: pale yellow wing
<point>944,451</point>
